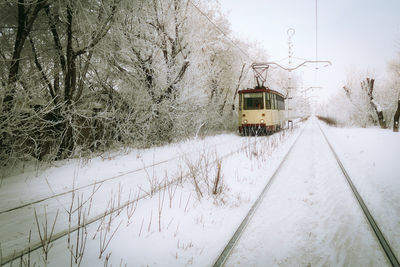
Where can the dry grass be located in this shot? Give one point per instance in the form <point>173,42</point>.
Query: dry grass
<point>205,173</point>
<point>328,120</point>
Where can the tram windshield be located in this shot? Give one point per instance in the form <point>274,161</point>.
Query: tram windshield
<point>253,101</point>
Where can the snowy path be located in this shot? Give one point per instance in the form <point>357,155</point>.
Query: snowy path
<point>309,217</point>
<point>134,177</point>
<point>371,158</point>
<point>189,230</point>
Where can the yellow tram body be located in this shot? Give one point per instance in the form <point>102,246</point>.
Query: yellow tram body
<point>261,111</point>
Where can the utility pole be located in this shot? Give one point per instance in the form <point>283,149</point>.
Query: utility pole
<point>290,32</point>
<point>261,67</point>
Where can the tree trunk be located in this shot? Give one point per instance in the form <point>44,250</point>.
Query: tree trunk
<point>25,23</point>
<point>396,118</point>
<point>69,77</point>
<point>368,85</point>
<point>382,122</point>
<point>237,86</point>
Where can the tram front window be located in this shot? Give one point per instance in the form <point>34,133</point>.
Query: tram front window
<point>253,101</point>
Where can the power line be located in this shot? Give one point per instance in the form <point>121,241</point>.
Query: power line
<point>219,29</point>
<point>226,36</point>
<point>316,29</point>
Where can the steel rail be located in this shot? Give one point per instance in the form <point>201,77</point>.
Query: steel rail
<point>81,187</point>
<point>381,238</point>
<point>224,255</point>
<point>35,246</point>
<point>96,183</point>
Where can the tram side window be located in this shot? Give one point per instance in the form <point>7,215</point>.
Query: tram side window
<point>267,100</point>
<point>273,101</point>
<point>240,102</point>
<point>253,101</point>
<point>281,103</point>
<point>278,102</point>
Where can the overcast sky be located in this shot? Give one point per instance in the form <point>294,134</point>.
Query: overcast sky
<point>353,34</point>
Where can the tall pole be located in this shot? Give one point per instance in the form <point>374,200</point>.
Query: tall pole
<point>316,31</point>
<point>290,32</point>
<point>316,40</point>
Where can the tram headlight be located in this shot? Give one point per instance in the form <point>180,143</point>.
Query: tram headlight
<point>262,121</point>
<point>245,121</point>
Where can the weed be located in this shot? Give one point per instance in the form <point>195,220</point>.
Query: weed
<point>217,184</point>
<point>44,234</point>
<point>131,207</point>
<point>105,237</point>
<point>141,227</point>
<point>160,207</point>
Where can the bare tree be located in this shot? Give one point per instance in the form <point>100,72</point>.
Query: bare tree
<point>48,75</point>
<point>237,87</point>
<point>27,14</point>
<point>361,111</point>
<point>396,117</point>
<point>75,56</point>
<point>395,68</point>
<point>368,86</point>
<point>83,74</point>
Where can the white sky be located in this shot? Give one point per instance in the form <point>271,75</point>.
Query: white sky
<point>354,35</point>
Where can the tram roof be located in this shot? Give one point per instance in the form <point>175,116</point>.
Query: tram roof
<point>259,90</point>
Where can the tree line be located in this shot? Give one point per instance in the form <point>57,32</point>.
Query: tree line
<point>82,76</point>
<point>365,101</point>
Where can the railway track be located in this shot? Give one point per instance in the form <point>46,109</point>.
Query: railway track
<point>96,183</point>
<point>380,237</point>
<point>372,222</point>
<point>63,233</point>
<point>239,231</point>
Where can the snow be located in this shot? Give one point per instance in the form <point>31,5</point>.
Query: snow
<point>308,216</point>
<point>188,227</point>
<point>371,158</point>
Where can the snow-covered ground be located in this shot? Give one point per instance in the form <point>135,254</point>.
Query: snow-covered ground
<point>371,157</point>
<point>173,226</point>
<point>308,216</point>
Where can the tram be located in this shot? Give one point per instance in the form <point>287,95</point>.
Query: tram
<point>261,110</point>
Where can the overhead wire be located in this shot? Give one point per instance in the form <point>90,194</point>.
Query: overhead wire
<point>219,29</point>
<point>226,36</point>
<point>316,40</point>
<point>316,30</point>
